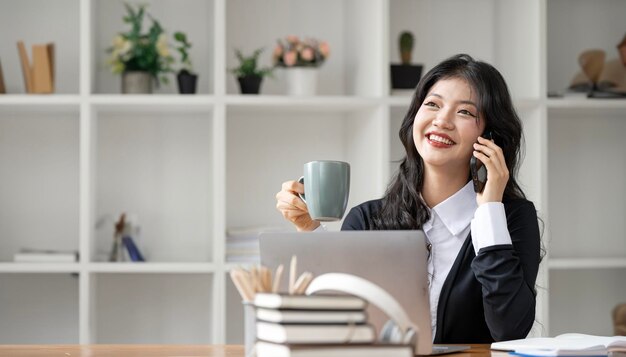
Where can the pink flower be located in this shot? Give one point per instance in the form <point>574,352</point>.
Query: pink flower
<point>324,49</point>
<point>293,39</point>
<point>290,58</point>
<point>307,54</point>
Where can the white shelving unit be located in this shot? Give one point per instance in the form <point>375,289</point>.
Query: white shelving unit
<point>189,167</point>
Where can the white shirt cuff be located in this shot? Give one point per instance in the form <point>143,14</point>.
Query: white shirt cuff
<point>320,228</point>
<point>489,226</point>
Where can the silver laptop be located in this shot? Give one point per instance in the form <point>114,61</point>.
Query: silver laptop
<point>394,260</point>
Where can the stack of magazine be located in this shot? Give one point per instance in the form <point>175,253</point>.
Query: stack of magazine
<point>324,325</point>
<point>242,243</point>
<point>29,255</point>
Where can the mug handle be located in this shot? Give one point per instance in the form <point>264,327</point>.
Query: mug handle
<point>301,195</point>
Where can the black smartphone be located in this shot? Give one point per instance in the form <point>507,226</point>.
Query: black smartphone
<point>478,169</point>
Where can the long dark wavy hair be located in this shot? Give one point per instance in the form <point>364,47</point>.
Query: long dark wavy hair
<point>402,205</point>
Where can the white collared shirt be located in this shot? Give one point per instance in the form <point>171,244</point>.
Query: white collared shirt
<point>449,224</point>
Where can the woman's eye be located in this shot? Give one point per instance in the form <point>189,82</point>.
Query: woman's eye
<point>431,104</point>
<point>465,112</point>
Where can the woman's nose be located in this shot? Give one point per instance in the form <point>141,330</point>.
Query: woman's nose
<point>444,119</point>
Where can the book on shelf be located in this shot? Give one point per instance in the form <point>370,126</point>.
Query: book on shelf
<point>268,349</point>
<point>315,333</point>
<point>569,344</point>
<point>311,316</point>
<point>38,77</point>
<point>309,302</point>
<point>45,256</point>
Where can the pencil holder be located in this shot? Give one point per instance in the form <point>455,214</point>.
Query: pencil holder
<point>249,327</point>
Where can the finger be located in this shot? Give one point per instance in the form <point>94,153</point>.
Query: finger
<point>294,215</point>
<point>491,144</point>
<point>284,206</point>
<point>291,200</point>
<point>293,186</point>
<point>491,163</point>
<point>494,169</point>
<point>495,156</point>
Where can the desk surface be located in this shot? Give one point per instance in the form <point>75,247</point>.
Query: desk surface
<point>158,351</point>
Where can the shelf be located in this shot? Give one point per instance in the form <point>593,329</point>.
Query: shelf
<point>157,168</point>
<point>40,103</point>
<point>195,18</point>
<point>151,268</point>
<point>586,103</point>
<point>151,102</point>
<point>39,308</point>
<point>153,308</point>
<point>45,268</point>
<point>586,263</point>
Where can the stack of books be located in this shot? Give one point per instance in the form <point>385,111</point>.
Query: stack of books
<point>323,325</point>
<point>27,255</point>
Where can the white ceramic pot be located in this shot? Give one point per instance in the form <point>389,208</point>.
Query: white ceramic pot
<point>301,81</point>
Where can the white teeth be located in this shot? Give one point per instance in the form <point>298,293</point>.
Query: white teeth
<point>439,139</point>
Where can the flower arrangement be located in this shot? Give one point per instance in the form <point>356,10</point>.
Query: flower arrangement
<point>294,52</point>
<point>137,51</point>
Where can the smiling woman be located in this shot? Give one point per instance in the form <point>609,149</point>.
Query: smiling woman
<point>484,246</point>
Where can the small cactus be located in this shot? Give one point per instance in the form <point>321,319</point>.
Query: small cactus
<point>406,47</point>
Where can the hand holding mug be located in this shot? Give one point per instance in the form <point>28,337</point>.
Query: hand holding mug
<point>293,208</point>
<point>320,195</point>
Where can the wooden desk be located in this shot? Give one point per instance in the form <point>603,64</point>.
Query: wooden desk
<point>159,351</point>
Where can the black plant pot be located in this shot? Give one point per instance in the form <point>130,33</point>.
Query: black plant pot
<point>405,76</point>
<point>250,84</point>
<point>186,82</point>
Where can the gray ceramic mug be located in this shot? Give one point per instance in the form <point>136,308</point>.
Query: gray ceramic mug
<point>326,189</point>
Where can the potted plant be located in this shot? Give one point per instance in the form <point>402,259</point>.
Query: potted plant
<point>248,73</point>
<point>140,57</point>
<point>405,75</point>
<point>187,79</point>
<point>301,58</point>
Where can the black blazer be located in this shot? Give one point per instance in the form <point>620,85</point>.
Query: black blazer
<point>486,297</point>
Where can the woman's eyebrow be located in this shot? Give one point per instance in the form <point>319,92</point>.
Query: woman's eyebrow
<point>468,102</point>
<point>460,102</point>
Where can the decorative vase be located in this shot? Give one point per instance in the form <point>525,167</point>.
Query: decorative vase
<point>186,82</point>
<point>136,82</point>
<point>301,81</point>
<point>250,84</point>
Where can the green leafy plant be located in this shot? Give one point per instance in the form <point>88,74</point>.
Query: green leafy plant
<point>136,51</point>
<point>248,65</point>
<point>183,48</point>
<point>406,46</point>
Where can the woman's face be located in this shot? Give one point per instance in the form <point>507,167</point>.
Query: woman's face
<point>447,124</point>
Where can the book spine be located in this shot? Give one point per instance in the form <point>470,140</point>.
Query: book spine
<point>3,89</point>
<point>26,69</point>
<point>42,70</point>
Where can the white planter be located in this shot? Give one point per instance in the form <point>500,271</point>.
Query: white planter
<point>301,81</point>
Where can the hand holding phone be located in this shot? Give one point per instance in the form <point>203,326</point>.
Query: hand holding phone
<point>478,169</point>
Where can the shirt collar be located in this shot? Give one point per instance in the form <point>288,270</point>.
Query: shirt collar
<point>457,211</point>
